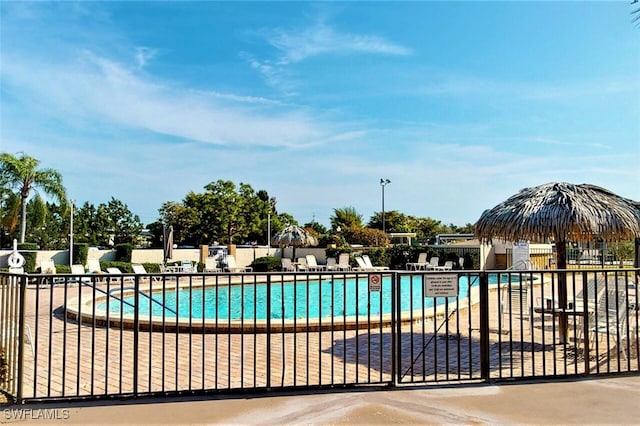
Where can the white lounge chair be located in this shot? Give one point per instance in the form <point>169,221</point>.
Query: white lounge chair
<point>448,266</point>
<point>344,263</point>
<point>93,266</point>
<point>361,265</point>
<point>116,271</point>
<point>211,265</point>
<point>48,267</point>
<point>139,269</point>
<point>312,263</point>
<point>286,265</point>
<point>331,264</point>
<point>421,263</point>
<point>433,264</point>
<point>232,266</point>
<point>367,262</point>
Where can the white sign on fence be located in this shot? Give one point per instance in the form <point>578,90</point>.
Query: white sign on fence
<point>375,282</point>
<point>441,285</point>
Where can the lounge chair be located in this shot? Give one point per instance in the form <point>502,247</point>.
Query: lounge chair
<point>344,263</point>
<point>286,265</point>
<point>116,271</point>
<point>211,265</point>
<point>609,321</point>
<point>331,264</point>
<point>433,264</point>
<point>515,301</point>
<point>312,263</point>
<point>361,265</point>
<point>232,266</point>
<point>448,266</point>
<point>369,264</point>
<point>93,266</point>
<point>139,269</point>
<point>48,267</point>
<point>301,264</point>
<point>421,263</point>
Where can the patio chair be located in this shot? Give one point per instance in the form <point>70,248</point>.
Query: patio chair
<point>361,265</point>
<point>331,264</point>
<point>369,264</point>
<point>93,266</point>
<point>301,264</point>
<point>609,320</point>
<point>139,269</point>
<point>116,271</point>
<point>344,263</point>
<point>211,265</point>
<point>515,302</point>
<point>448,266</point>
<point>232,266</point>
<point>48,267</point>
<point>286,265</point>
<point>433,263</point>
<point>312,263</point>
<point>421,263</point>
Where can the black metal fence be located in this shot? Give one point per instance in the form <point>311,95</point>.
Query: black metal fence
<point>101,336</point>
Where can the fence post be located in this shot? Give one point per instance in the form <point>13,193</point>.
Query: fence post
<point>136,332</point>
<point>21,336</point>
<point>484,326</point>
<point>394,334</point>
<point>268,330</point>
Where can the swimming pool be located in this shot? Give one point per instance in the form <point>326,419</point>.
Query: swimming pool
<point>289,300</point>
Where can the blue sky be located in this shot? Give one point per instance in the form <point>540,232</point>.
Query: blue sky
<point>459,104</point>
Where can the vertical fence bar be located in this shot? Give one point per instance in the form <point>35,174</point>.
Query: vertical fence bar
<point>268,331</point>
<point>21,344</point>
<point>485,367</point>
<point>136,332</point>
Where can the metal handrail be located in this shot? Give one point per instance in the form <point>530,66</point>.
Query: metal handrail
<point>121,300</point>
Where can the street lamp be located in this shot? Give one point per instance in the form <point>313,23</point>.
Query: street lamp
<point>383,183</point>
<point>71,233</point>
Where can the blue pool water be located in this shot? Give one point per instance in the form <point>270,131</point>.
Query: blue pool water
<point>301,300</point>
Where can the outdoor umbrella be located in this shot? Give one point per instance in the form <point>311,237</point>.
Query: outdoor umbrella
<point>167,241</point>
<point>295,236</point>
<point>561,212</point>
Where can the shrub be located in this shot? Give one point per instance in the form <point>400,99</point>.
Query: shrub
<point>378,256</point>
<point>366,236</point>
<point>266,264</point>
<point>125,267</point>
<point>123,252</point>
<point>29,256</point>
<point>80,253</point>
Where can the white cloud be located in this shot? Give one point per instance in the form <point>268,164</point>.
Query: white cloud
<point>321,39</point>
<point>99,89</point>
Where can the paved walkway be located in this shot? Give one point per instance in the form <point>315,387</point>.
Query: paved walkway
<point>593,401</point>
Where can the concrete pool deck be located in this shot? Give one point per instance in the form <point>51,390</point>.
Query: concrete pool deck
<point>589,401</point>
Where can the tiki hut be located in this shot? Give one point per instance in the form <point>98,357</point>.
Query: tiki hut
<point>562,213</point>
<point>294,236</point>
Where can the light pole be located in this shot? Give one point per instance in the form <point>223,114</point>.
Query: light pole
<point>383,183</point>
<point>71,233</point>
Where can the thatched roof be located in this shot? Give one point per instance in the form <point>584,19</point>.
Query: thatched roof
<point>561,212</point>
<point>295,236</point>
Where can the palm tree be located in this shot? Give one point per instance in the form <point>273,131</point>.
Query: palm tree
<point>346,217</point>
<point>21,174</point>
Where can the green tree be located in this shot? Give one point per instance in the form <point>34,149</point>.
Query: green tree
<point>346,217</point>
<point>21,174</point>
<point>394,221</point>
<point>117,223</point>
